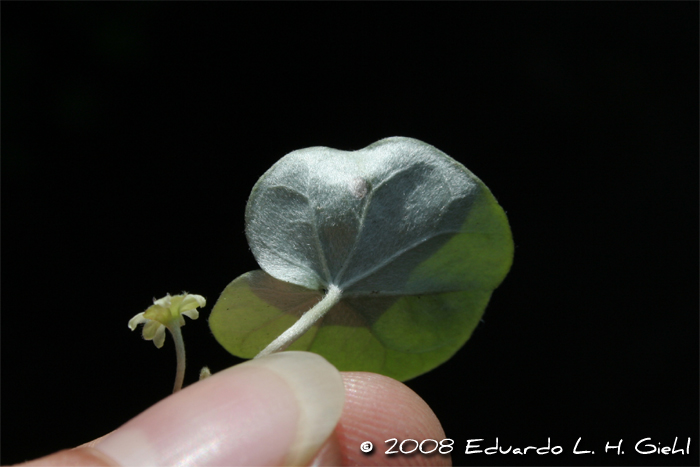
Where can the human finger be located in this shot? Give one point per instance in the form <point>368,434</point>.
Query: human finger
<point>378,408</point>
<point>276,410</point>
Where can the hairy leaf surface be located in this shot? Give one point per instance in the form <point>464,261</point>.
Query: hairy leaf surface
<point>415,242</point>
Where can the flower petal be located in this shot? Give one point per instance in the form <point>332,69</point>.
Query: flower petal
<point>150,329</point>
<point>159,339</point>
<point>191,302</point>
<point>175,302</point>
<point>164,302</point>
<point>192,314</point>
<point>136,320</point>
<point>158,313</point>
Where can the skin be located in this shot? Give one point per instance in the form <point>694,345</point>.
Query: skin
<point>376,408</point>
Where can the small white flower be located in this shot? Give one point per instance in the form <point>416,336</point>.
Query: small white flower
<point>167,312</point>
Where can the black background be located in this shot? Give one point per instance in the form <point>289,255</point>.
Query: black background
<point>133,133</point>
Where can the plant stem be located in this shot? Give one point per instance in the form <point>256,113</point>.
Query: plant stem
<point>180,350</point>
<point>307,320</point>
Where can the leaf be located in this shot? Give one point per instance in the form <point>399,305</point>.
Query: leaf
<point>414,242</point>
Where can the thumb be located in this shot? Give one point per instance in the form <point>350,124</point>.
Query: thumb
<point>276,410</point>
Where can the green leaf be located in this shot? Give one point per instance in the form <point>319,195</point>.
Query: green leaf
<point>412,241</point>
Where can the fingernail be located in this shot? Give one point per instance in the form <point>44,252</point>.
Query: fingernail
<point>275,410</point>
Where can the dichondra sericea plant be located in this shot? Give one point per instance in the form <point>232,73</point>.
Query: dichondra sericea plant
<point>381,259</point>
<point>167,312</point>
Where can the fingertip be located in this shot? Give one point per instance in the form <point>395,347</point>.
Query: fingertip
<point>378,408</point>
<point>275,410</point>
